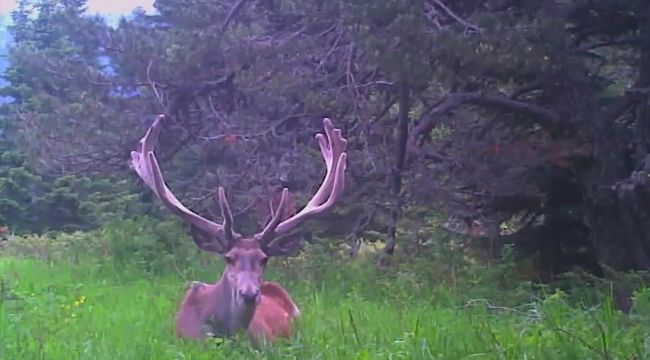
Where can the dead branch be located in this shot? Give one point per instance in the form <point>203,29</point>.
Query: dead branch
<point>468,26</point>
<point>231,14</point>
<point>453,101</point>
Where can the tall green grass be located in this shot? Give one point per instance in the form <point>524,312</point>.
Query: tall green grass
<point>100,310</point>
<point>112,294</point>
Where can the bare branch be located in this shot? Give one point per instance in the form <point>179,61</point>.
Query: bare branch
<point>231,14</point>
<point>331,50</point>
<point>152,85</point>
<point>517,106</point>
<point>453,15</point>
<point>448,103</point>
<point>453,101</point>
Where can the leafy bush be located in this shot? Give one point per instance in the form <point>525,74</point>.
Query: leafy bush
<point>148,244</point>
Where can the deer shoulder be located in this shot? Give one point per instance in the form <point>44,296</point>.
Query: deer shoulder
<point>274,315</point>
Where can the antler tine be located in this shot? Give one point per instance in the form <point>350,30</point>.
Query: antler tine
<point>227,216</point>
<point>267,234</point>
<point>144,162</point>
<point>332,147</point>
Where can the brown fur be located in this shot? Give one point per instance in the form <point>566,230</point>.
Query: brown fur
<point>274,314</point>
<point>273,317</point>
<point>193,311</point>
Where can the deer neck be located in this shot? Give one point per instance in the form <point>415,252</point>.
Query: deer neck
<point>229,316</point>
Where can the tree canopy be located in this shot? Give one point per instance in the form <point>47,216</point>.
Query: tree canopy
<point>526,120</point>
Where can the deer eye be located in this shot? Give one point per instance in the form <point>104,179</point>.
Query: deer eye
<point>230,260</point>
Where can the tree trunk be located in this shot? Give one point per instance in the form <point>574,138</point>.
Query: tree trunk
<point>642,122</point>
<point>398,168</point>
<point>621,216</point>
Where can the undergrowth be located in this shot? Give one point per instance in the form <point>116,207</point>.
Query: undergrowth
<point>112,294</point>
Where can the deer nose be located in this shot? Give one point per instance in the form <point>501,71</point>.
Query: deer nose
<point>249,296</point>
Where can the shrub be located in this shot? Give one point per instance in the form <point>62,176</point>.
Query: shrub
<point>149,244</point>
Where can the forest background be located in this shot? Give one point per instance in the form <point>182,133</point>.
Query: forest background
<point>498,150</point>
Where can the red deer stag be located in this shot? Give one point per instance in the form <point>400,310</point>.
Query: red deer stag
<point>240,300</point>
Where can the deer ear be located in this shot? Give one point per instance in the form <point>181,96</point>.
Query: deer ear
<point>284,246</point>
<point>206,241</point>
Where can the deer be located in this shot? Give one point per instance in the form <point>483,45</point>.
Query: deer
<point>241,301</point>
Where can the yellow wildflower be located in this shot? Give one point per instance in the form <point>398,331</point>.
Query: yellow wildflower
<point>81,300</point>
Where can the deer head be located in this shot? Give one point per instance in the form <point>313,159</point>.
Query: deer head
<point>246,257</point>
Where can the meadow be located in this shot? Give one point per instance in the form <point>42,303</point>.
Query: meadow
<point>71,305</point>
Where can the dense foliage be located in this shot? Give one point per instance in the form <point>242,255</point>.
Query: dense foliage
<point>526,120</point>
